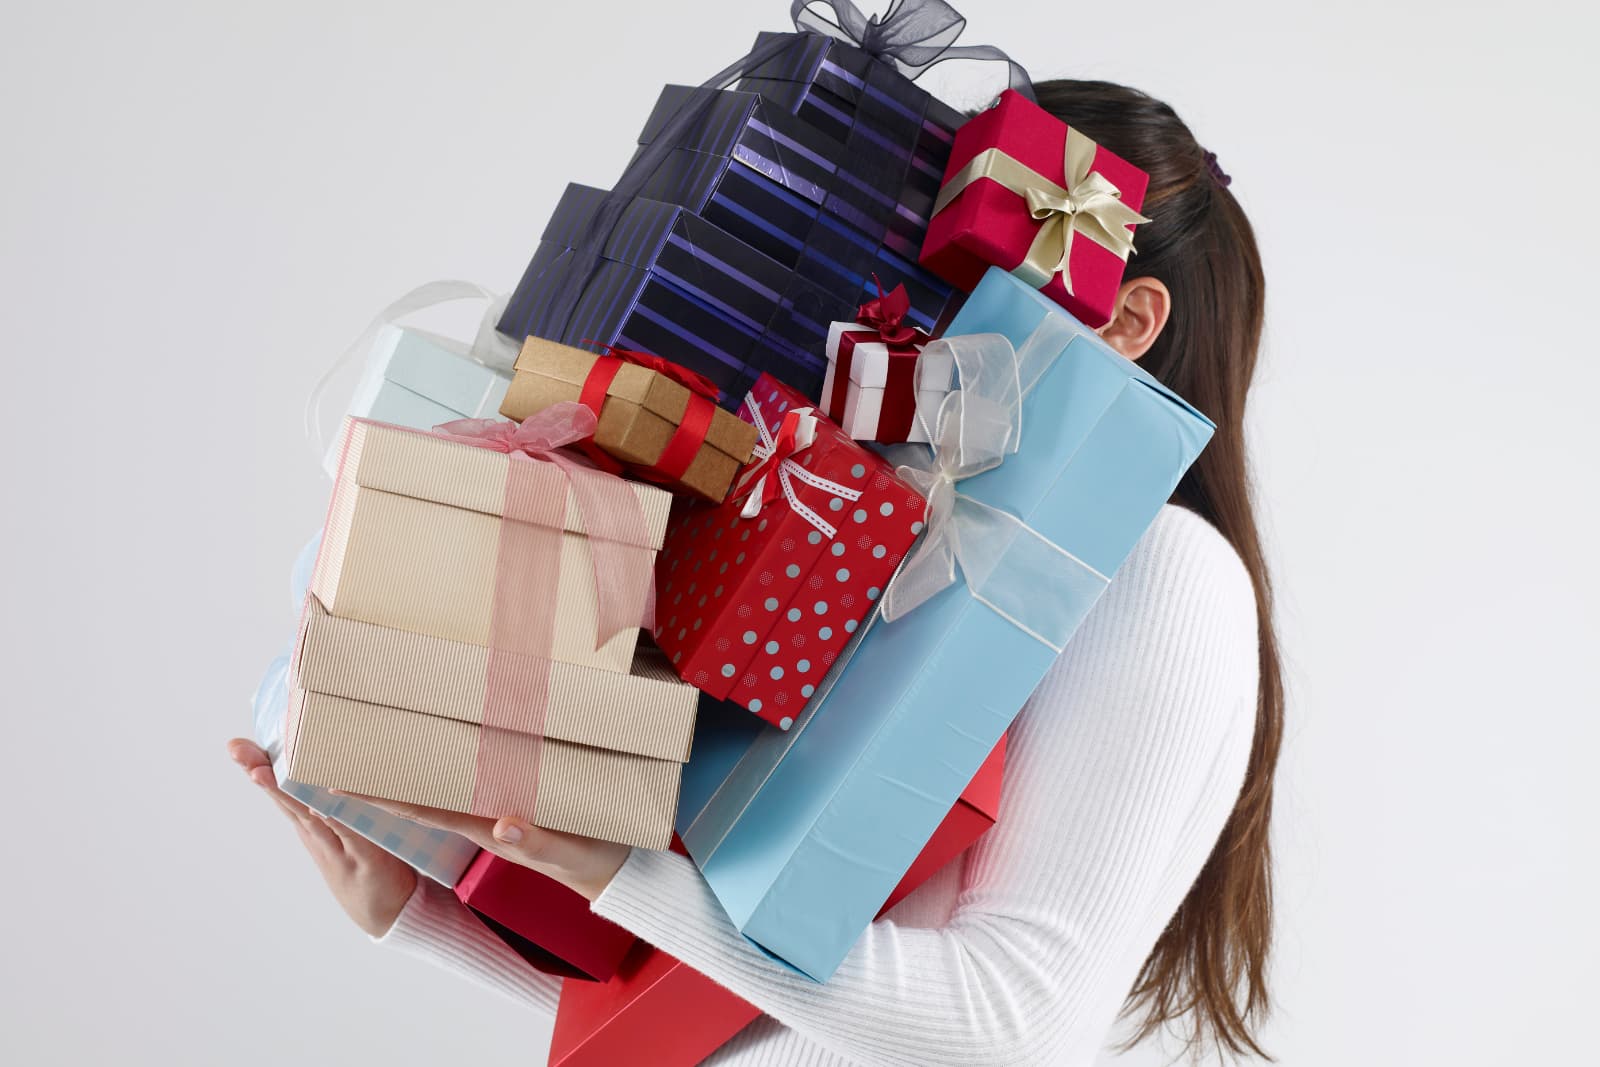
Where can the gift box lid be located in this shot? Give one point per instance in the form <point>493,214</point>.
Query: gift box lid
<point>647,712</point>
<point>419,362</point>
<point>868,185</point>
<point>870,369</point>
<point>854,79</point>
<point>753,130</point>
<point>697,257</point>
<point>638,430</point>
<point>423,466</point>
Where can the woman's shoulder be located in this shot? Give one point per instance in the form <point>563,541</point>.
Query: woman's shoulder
<point>1183,563</point>
<point>1181,605</point>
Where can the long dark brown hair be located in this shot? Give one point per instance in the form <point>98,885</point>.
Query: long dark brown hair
<point>1207,975</point>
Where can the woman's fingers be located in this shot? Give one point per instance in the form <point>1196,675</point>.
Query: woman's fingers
<point>248,754</point>
<point>317,833</point>
<point>583,864</point>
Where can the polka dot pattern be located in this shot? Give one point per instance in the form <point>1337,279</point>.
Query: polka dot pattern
<point>761,622</point>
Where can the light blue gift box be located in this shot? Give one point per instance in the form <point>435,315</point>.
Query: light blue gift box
<point>813,828</point>
<point>439,854</point>
<point>412,378</point>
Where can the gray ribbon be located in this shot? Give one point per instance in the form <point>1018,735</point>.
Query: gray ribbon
<point>912,35</point>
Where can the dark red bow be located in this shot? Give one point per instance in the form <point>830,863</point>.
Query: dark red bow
<point>887,314</point>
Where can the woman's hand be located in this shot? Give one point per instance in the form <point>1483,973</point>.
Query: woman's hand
<point>582,864</point>
<point>371,885</point>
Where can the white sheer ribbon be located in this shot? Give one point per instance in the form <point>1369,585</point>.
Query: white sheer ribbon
<point>1009,567</point>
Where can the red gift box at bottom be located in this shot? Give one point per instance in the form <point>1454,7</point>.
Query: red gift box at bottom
<point>546,923</point>
<point>661,1011</point>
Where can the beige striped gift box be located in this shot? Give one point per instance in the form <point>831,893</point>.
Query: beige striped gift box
<point>412,539</point>
<point>391,667</point>
<point>387,713</point>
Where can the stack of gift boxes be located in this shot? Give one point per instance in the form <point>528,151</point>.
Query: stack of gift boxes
<point>684,594</point>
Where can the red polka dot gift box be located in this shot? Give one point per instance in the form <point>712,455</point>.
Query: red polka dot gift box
<point>757,596</point>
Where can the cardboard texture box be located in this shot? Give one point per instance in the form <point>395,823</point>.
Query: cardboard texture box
<point>874,763</point>
<point>641,414</point>
<point>395,673</point>
<point>439,854</point>
<point>413,538</point>
<point>388,713</point>
<point>547,924</point>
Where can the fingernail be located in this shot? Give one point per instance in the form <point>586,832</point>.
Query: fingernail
<point>508,832</point>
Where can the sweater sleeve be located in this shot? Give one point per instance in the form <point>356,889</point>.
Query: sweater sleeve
<point>436,926</point>
<point>1121,773</point>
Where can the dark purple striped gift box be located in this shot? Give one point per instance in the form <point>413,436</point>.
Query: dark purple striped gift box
<point>880,188</point>
<point>843,92</point>
<point>767,190</point>
<point>672,283</point>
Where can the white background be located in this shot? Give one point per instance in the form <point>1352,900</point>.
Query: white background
<point>202,204</point>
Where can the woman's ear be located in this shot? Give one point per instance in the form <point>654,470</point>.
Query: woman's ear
<point>1143,305</point>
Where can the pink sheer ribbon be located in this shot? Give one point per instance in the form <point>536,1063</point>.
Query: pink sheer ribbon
<point>539,481</point>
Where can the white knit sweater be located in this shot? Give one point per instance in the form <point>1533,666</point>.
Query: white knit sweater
<point>1120,774</point>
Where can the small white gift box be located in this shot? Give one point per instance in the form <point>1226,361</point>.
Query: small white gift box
<point>871,388</point>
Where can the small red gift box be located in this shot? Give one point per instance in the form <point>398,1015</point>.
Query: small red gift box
<point>661,1011</point>
<point>547,924</point>
<point>758,595</point>
<point>1025,192</point>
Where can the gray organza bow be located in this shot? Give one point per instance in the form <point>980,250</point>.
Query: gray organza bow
<point>912,35</point>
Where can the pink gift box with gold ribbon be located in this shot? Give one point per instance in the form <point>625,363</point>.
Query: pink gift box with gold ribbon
<point>1025,192</point>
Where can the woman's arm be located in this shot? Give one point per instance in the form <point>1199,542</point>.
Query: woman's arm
<point>436,926</point>
<point>1121,773</point>
<point>392,903</point>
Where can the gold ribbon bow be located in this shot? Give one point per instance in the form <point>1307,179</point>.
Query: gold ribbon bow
<point>1091,204</point>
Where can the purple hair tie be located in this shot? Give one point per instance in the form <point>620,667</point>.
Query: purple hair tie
<point>1216,170</point>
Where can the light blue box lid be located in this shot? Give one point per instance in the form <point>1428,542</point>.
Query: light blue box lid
<point>412,378</point>
<point>419,363</point>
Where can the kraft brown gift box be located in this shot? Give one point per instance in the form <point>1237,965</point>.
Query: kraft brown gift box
<point>413,534</point>
<point>642,410</point>
<point>393,714</point>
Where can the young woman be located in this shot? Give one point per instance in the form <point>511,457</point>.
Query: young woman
<point>1129,872</point>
